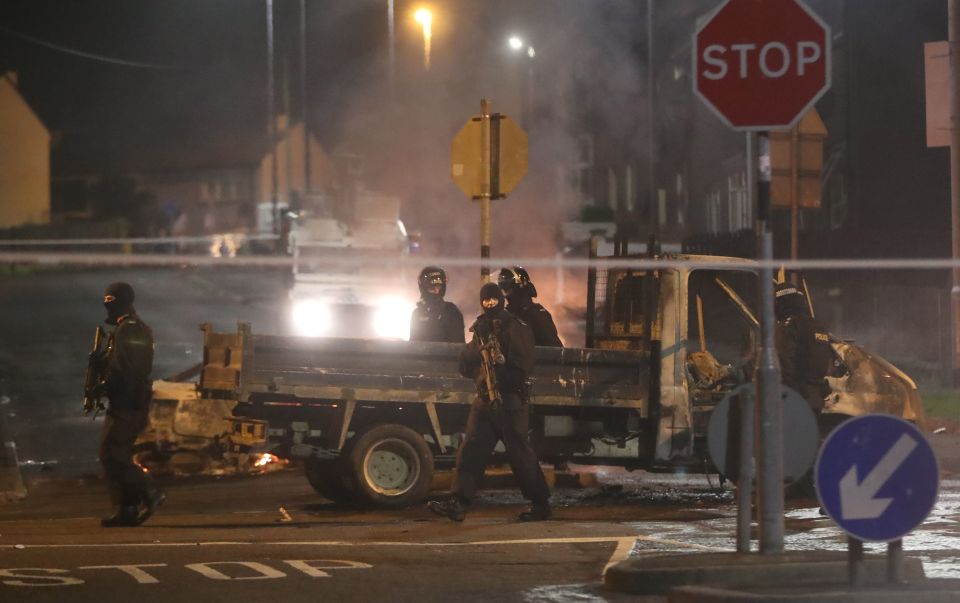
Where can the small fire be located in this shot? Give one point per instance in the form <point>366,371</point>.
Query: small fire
<point>265,459</point>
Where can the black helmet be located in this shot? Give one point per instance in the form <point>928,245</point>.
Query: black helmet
<point>516,279</point>
<point>430,277</point>
<point>789,301</point>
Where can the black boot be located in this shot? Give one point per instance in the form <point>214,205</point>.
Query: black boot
<point>125,517</point>
<point>451,509</point>
<point>536,512</point>
<point>151,500</point>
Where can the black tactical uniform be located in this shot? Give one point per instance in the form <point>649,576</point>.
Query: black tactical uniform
<point>520,291</point>
<point>127,363</point>
<point>507,421</point>
<point>803,346</point>
<point>435,319</point>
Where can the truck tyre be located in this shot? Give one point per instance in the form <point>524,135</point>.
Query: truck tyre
<point>329,479</point>
<point>391,466</point>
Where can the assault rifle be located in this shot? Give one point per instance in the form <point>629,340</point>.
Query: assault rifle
<point>94,376</point>
<point>492,355</point>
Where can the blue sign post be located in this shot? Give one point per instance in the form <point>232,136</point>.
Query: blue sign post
<point>877,477</point>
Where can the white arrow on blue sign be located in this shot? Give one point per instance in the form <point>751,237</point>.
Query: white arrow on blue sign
<point>877,477</point>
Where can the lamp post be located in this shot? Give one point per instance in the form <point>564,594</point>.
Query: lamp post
<point>517,45</point>
<point>424,17</point>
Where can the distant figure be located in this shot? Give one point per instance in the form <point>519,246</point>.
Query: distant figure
<point>520,291</point>
<point>500,359</point>
<point>803,347</point>
<point>125,380</point>
<point>435,319</point>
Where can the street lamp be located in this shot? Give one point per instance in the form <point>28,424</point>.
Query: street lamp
<point>516,44</point>
<point>424,17</point>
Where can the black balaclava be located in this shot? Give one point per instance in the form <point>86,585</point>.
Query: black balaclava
<point>118,300</point>
<point>491,291</point>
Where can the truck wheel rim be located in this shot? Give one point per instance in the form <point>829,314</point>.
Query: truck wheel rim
<point>391,467</point>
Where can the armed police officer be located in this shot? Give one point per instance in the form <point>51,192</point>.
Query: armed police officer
<point>520,291</point>
<point>500,358</point>
<point>125,380</point>
<point>803,347</point>
<point>435,319</point>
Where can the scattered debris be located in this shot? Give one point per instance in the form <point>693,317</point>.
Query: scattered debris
<point>939,430</point>
<point>284,516</point>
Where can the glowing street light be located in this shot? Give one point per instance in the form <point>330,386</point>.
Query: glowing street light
<point>515,42</point>
<point>424,17</point>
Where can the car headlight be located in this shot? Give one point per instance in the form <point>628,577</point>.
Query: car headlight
<point>311,318</point>
<point>391,319</point>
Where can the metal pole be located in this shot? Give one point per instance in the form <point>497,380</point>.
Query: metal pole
<point>895,561</point>
<point>855,561</point>
<point>747,420</point>
<point>271,119</point>
<point>485,234</point>
<point>954,19</point>
<point>303,96</point>
<point>794,192</point>
<point>651,125</point>
<point>770,425</point>
<point>745,472</point>
<point>392,49</point>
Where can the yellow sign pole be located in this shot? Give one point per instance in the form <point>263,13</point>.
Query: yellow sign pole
<point>485,171</point>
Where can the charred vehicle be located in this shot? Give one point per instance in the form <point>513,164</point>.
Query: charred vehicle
<point>373,419</point>
<point>187,435</point>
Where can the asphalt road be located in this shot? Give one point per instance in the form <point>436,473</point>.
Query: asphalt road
<point>223,539</point>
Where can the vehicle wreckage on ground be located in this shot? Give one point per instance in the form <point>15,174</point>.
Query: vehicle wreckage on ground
<point>373,419</point>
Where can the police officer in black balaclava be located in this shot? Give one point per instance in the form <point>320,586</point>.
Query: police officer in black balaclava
<point>520,291</point>
<point>435,319</point>
<point>803,346</point>
<point>507,420</point>
<point>126,367</point>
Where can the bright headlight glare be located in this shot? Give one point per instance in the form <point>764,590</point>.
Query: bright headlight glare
<point>311,318</point>
<point>391,319</point>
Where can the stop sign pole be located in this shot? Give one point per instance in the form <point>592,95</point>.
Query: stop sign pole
<point>759,65</point>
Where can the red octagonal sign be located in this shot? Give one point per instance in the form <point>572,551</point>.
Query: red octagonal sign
<point>761,64</point>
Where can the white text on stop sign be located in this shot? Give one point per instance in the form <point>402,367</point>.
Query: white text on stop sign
<point>774,59</point>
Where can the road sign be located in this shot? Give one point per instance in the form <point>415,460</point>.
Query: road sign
<point>799,442</point>
<point>761,64</point>
<point>877,477</point>
<point>796,163</point>
<point>508,151</point>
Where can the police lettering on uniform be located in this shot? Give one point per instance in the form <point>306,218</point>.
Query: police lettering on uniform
<point>803,347</point>
<point>500,358</point>
<point>435,319</point>
<point>125,381</point>
<point>520,291</point>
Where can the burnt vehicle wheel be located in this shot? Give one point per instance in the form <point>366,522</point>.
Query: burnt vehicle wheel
<point>330,480</point>
<point>391,465</point>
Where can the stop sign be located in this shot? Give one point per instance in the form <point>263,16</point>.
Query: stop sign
<point>761,64</point>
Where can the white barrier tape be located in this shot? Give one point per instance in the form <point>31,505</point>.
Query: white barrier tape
<point>352,261</point>
<point>139,240</point>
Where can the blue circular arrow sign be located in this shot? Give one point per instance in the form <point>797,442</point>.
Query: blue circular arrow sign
<point>877,477</point>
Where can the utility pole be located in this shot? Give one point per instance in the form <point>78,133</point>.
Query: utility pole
<point>654,207</point>
<point>271,120</point>
<point>391,46</point>
<point>304,105</point>
<point>953,11</point>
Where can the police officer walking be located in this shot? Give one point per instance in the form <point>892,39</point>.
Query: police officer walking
<point>803,347</point>
<point>435,319</point>
<point>503,343</point>
<point>520,291</point>
<point>125,380</point>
